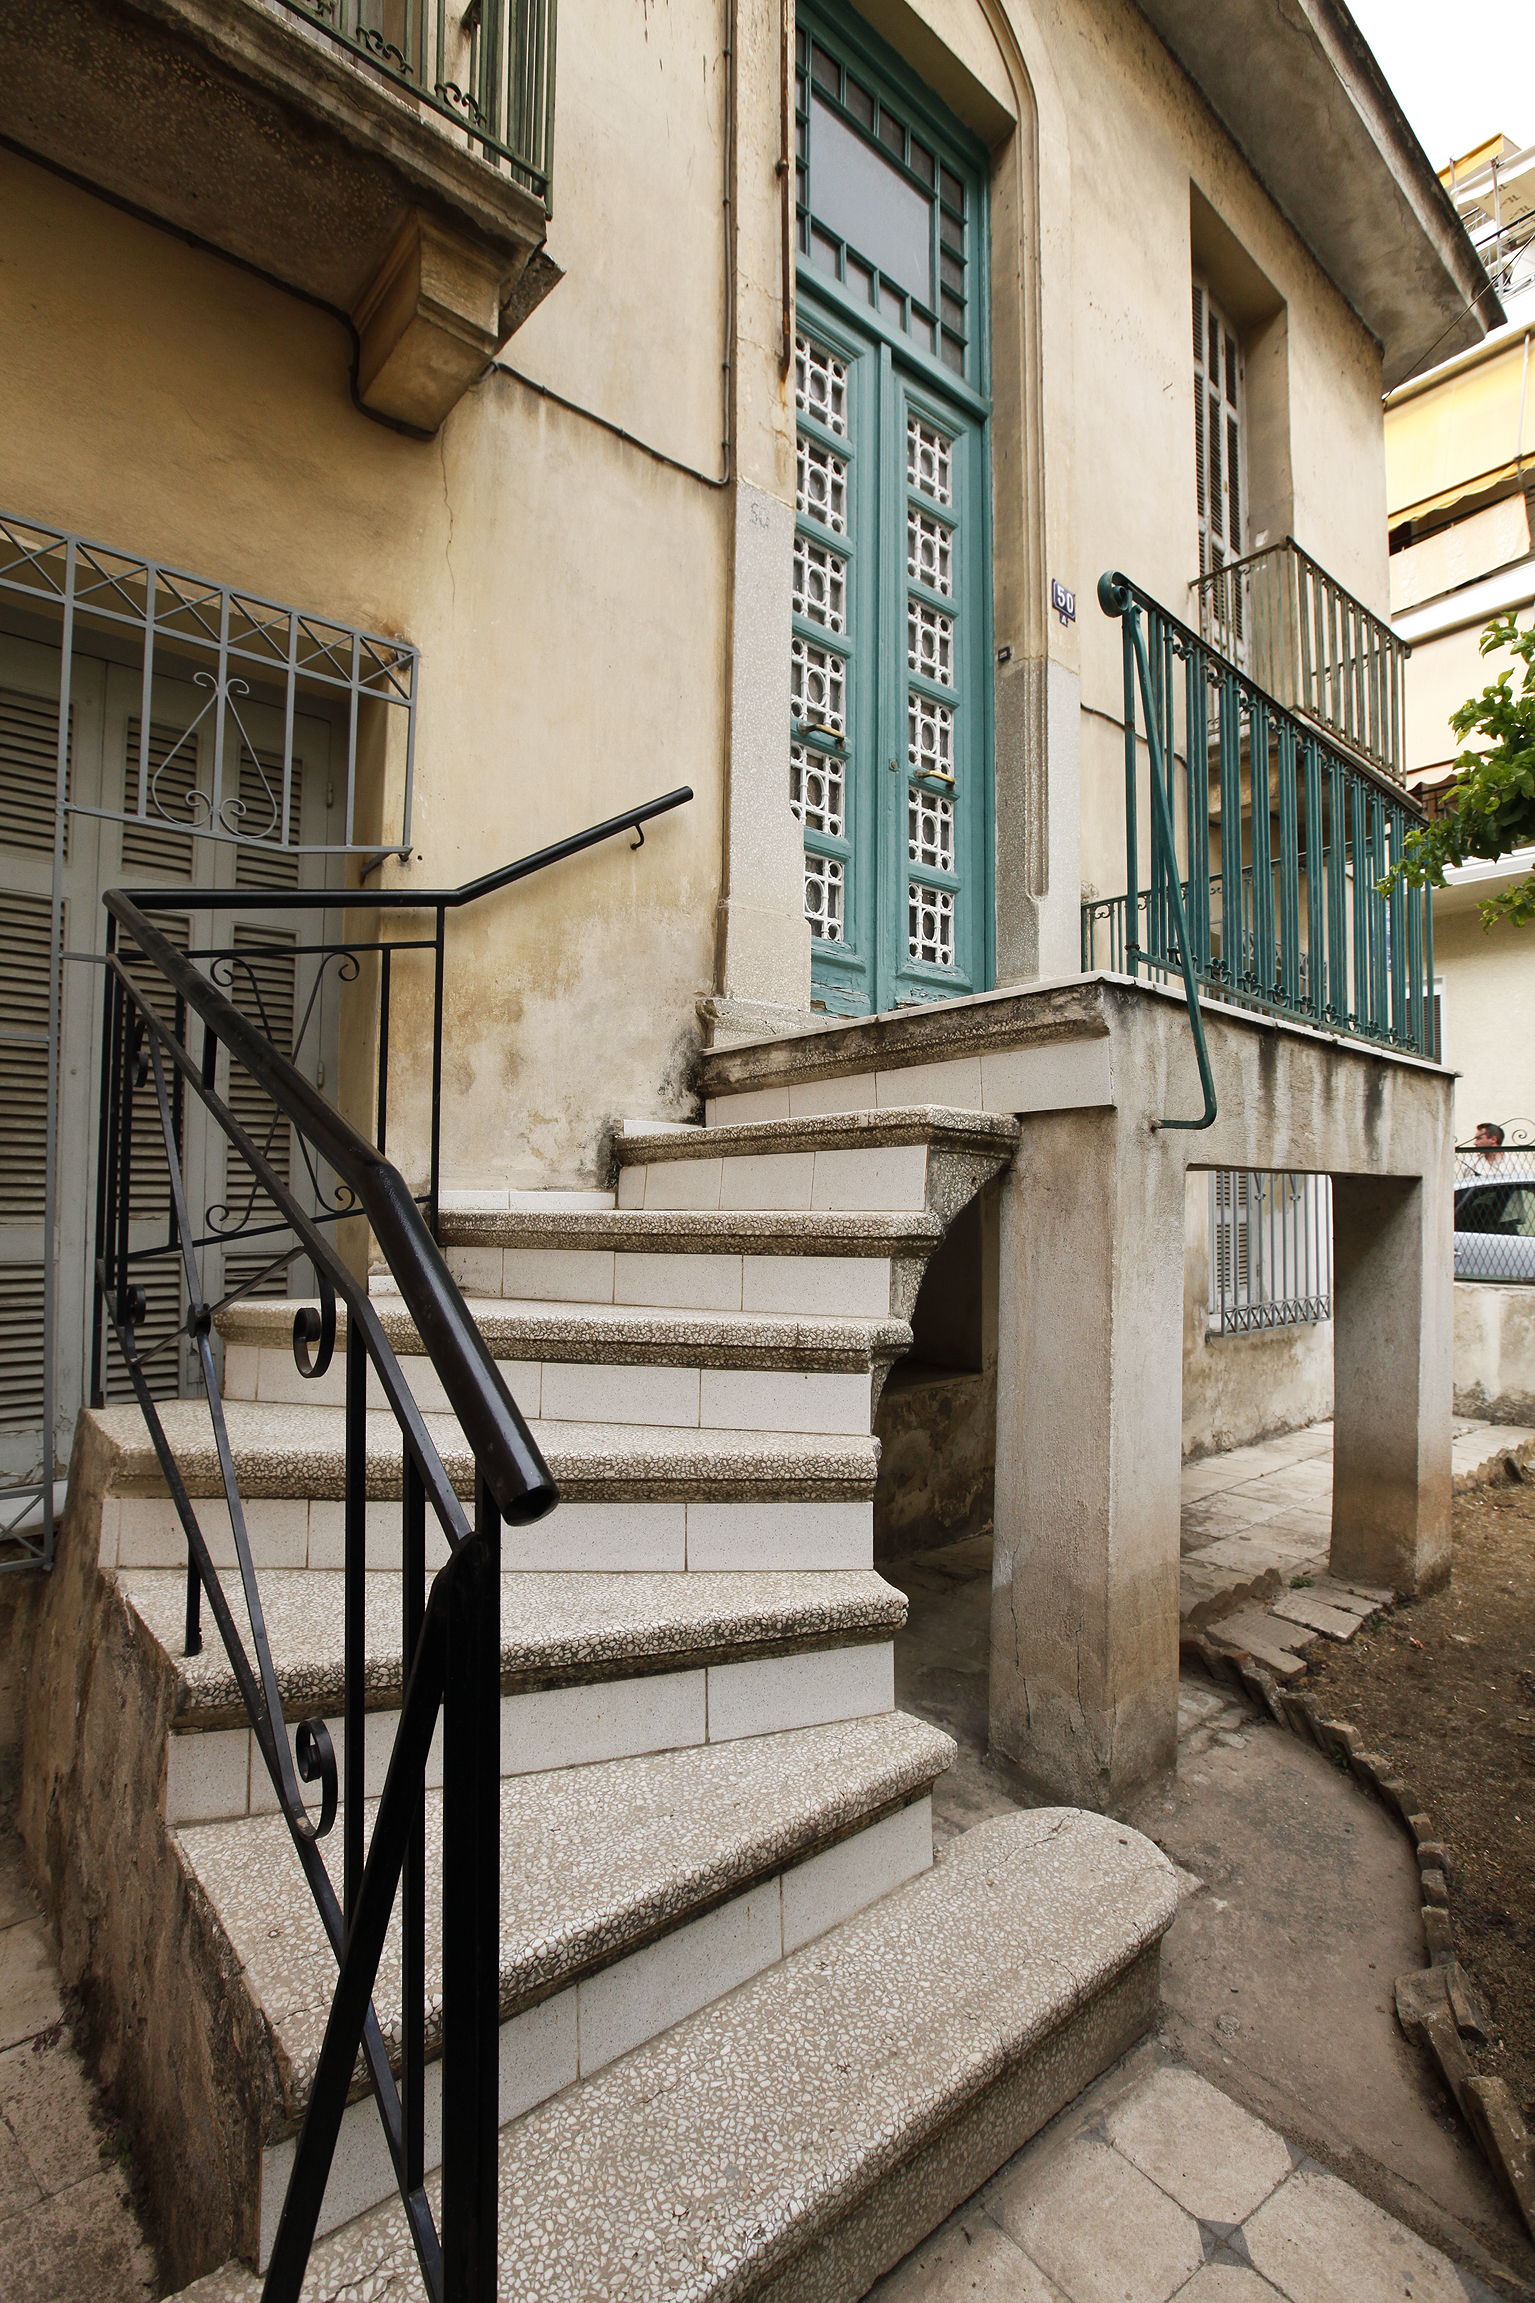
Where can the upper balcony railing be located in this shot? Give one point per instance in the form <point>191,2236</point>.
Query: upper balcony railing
<point>1270,853</point>
<point>1311,646</point>
<point>487,66</point>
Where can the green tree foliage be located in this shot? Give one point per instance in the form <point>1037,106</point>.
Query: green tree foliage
<point>1490,807</point>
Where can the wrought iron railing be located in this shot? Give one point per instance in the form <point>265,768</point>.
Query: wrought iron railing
<point>1312,646</point>
<point>1287,916</point>
<point>165,1019</point>
<point>487,66</point>
<point>1495,1204</point>
<point>451,1656</point>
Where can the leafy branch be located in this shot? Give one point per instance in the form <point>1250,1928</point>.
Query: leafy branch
<point>1490,808</point>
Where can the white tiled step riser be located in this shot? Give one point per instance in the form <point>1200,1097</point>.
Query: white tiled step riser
<point>217,1774</point>
<point>1062,1075</point>
<point>590,2024</point>
<point>601,1538</point>
<point>566,1391</point>
<point>884,1178</point>
<point>803,1286</point>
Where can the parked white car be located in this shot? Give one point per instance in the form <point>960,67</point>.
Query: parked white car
<point>1495,1230</point>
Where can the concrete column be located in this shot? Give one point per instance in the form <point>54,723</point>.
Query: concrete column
<point>1393,1346</point>
<point>1084,1610</point>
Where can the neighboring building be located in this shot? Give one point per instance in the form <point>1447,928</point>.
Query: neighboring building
<point>759,402</point>
<point>1460,467</point>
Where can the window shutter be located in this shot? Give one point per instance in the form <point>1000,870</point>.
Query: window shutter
<point>261,801</point>
<point>262,988</point>
<point>154,846</point>
<point>29,769</point>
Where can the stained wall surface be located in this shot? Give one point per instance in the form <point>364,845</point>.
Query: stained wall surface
<point>592,629</point>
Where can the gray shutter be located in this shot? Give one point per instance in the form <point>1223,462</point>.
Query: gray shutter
<point>262,988</point>
<point>25,923</point>
<point>29,769</point>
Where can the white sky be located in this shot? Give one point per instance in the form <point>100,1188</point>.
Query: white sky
<point>1460,72</point>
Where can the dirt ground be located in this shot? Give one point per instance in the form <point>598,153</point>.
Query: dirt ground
<point>1446,1688</point>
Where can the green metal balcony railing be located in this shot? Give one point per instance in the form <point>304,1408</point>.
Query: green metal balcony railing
<point>1311,646</point>
<point>488,67</point>
<point>1284,914</point>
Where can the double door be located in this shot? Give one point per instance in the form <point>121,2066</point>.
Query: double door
<point>889,729</point>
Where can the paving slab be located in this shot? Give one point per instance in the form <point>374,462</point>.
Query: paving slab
<point>1304,1607</point>
<point>29,1983</point>
<point>1155,2184</point>
<point>1216,2161</point>
<point>1319,2242</point>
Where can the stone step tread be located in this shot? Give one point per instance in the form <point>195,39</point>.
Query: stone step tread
<point>557,1628</point>
<point>1361,1599</point>
<point>627,1333</point>
<point>1261,1637</point>
<point>699,1231</point>
<point>596,1861</point>
<point>944,1128</point>
<point>724,2154</point>
<point>1312,1609</point>
<point>300,1451</point>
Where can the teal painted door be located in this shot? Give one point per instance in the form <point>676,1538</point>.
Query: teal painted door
<point>890,745</point>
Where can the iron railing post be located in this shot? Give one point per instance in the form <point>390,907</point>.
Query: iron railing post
<point>471,1915</point>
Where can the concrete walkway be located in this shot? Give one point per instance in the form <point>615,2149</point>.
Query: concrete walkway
<point>1256,1529</point>
<point>68,2231</point>
<point>1154,2184</point>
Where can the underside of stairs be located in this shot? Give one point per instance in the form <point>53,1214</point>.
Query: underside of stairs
<point>752,2041</point>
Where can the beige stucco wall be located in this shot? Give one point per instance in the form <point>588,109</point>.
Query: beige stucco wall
<point>1495,1351</point>
<point>598,625</point>
<point>567,592</point>
<point>1488,1012</point>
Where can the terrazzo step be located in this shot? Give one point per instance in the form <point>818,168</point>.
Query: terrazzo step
<point>797,1264</point>
<point>633,1497</point>
<point>869,1160</point>
<point>632,1893</point>
<point>593,1667</point>
<point>799,2136</point>
<point>609,1363</point>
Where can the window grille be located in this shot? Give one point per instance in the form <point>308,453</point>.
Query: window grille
<point>815,789</point>
<point>820,585</point>
<point>929,553</point>
<point>930,931</point>
<point>1270,1250</point>
<point>821,486</point>
<point>823,897</point>
<point>930,643</point>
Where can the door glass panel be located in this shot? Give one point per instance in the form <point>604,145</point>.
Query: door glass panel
<point>861,198</point>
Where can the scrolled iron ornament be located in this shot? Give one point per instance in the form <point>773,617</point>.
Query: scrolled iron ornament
<point>315,1326</point>
<point>315,1756</point>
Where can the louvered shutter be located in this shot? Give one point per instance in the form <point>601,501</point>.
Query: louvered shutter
<point>29,767</point>
<point>1220,442</point>
<point>25,922</point>
<point>152,847</point>
<point>262,988</point>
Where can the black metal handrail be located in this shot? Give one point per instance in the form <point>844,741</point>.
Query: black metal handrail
<point>450,1631</point>
<point>438,900</point>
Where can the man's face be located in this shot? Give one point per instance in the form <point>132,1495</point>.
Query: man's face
<point>1487,1141</point>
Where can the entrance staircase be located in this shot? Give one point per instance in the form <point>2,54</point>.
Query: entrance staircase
<point>753,2040</point>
